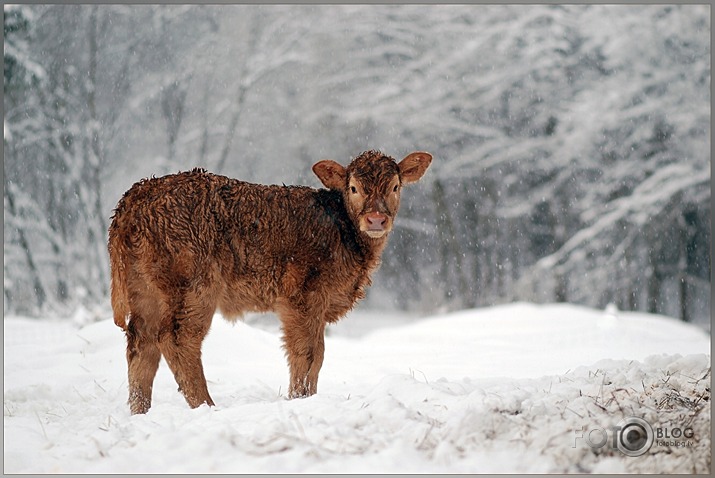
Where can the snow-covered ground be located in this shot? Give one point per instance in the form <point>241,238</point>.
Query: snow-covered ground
<point>515,388</point>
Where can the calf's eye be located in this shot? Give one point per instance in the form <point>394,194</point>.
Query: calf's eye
<point>397,186</point>
<point>353,189</point>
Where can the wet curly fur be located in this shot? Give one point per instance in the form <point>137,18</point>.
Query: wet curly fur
<point>185,245</point>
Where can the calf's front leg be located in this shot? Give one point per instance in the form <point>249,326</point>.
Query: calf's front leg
<point>304,343</point>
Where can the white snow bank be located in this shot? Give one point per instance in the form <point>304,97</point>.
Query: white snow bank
<point>507,389</point>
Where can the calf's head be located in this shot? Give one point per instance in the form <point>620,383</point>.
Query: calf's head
<point>371,186</point>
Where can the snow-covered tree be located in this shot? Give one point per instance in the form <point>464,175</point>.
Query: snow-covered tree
<point>571,142</point>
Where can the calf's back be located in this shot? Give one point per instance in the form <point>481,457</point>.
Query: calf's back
<point>239,246</point>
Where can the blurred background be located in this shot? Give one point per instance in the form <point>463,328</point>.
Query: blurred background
<point>571,144</point>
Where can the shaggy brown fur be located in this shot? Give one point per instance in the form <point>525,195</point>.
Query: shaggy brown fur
<point>184,245</point>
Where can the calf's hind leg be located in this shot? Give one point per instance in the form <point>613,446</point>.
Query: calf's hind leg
<point>142,362</point>
<point>180,342</point>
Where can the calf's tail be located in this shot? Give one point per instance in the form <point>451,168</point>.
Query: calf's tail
<point>119,293</point>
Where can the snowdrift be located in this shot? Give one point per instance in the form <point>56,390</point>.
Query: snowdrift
<point>518,388</point>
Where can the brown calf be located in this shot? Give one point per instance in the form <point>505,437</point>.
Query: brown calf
<point>184,245</point>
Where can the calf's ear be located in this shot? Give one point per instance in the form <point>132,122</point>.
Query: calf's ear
<point>330,173</point>
<point>413,166</point>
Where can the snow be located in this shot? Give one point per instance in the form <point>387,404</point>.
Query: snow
<point>507,389</point>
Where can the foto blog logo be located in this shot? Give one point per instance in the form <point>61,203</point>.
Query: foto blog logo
<point>632,436</point>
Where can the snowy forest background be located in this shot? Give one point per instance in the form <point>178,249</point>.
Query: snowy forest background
<point>571,143</point>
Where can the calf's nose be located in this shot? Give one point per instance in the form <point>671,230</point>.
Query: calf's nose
<point>376,221</point>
